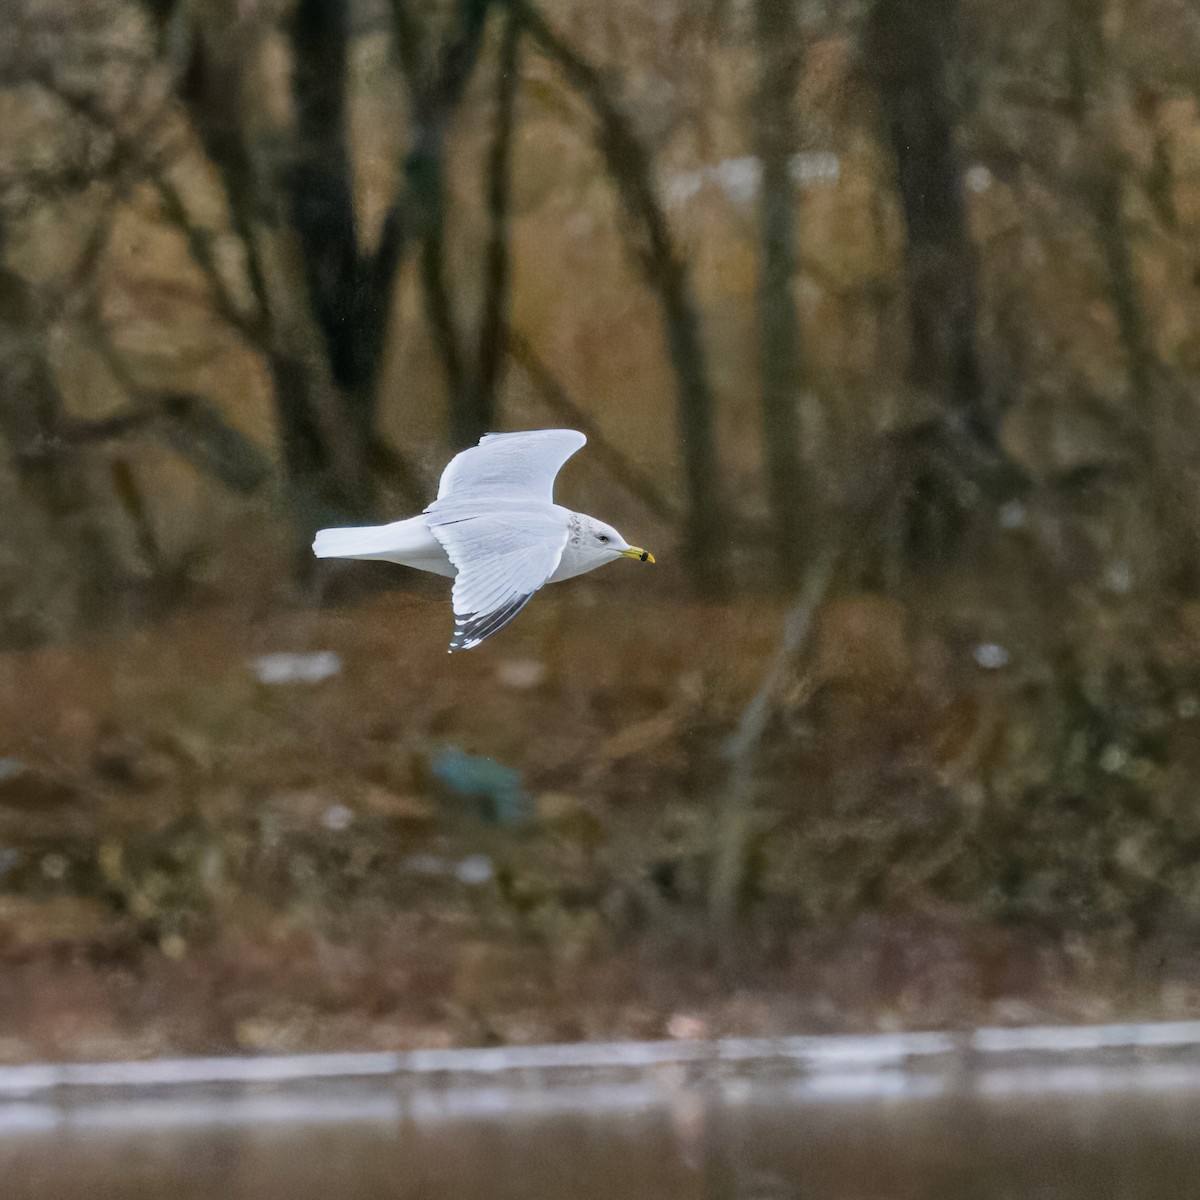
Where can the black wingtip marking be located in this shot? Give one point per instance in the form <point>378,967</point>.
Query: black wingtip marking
<point>471,630</point>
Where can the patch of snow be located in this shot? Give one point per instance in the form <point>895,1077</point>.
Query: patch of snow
<point>273,669</point>
<point>990,656</point>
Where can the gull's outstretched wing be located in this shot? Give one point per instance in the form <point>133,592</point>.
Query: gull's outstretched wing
<point>503,554</point>
<point>515,465</point>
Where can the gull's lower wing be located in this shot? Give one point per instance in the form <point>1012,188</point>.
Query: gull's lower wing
<point>502,556</point>
<point>519,466</point>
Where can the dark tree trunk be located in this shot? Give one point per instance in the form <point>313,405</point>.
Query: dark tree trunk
<point>322,303</point>
<point>321,451</point>
<point>1151,425</point>
<point>47,469</point>
<point>774,121</point>
<point>440,307</point>
<point>322,197</point>
<point>1102,186</point>
<point>908,47</point>
<point>493,326</point>
<point>629,165</point>
<point>435,91</point>
<point>349,289</point>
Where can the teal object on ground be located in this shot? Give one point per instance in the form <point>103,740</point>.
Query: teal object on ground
<point>497,786</point>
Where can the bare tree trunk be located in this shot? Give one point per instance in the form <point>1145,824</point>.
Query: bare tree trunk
<point>1159,436</point>
<point>1103,188</point>
<point>629,164</point>
<point>440,307</point>
<point>321,197</point>
<point>939,465</point>
<point>780,50</point>
<point>321,452</point>
<point>322,303</point>
<point>493,328</point>
<point>908,47</point>
<point>47,471</point>
<point>735,815</point>
<point>435,90</point>
<point>351,290</point>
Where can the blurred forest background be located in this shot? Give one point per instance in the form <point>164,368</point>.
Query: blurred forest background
<point>882,319</point>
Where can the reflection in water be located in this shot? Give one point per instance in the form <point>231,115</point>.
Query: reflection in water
<point>759,1144</point>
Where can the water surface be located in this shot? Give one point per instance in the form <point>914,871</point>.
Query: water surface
<point>764,1144</point>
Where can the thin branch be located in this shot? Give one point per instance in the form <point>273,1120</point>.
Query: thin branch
<point>188,423</point>
<point>131,161</point>
<point>199,243</point>
<point>439,311</point>
<point>120,189</point>
<point>635,482</point>
<point>437,88</point>
<point>779,48</point>
<point>126,489</point>
<point>631,169</point>
<point>78,431</point>
<point>735,807</point>
<point>390,464</point>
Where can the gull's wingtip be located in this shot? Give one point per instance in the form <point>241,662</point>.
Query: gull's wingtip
<point>519,433</point>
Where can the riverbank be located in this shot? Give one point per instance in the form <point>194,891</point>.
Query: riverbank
<point>230,833</point>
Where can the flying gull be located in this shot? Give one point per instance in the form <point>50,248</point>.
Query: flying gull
<point>494,529</point>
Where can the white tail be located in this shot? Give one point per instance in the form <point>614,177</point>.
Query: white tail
<point>367,541</point>
<point>409,543</point>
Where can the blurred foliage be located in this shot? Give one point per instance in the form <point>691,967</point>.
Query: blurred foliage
<point>908,286</point>
<point>939,833</point>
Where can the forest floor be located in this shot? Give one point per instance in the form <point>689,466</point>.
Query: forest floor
<point>201,855</point>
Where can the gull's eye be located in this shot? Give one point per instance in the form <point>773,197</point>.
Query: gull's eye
<point>604,537</point>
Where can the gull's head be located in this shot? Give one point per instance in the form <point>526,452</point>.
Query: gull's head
<point>604,542</point>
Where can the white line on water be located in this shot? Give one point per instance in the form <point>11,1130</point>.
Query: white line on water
<point>858,1065</point>
<point>183,1111</point>
<point>282,1068</point>
<point>1063,1038</point>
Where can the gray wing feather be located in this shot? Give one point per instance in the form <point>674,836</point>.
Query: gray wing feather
<point>514,465</point>
<point>502,555</point>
